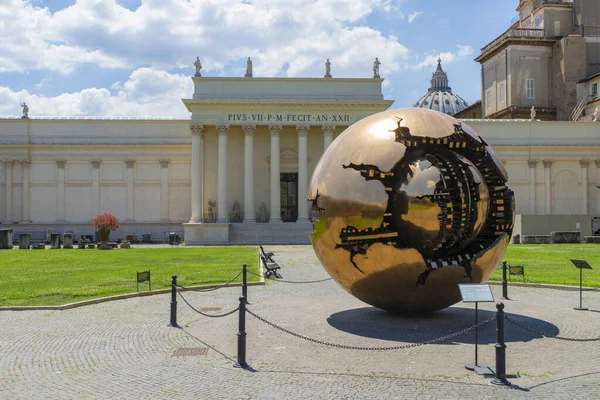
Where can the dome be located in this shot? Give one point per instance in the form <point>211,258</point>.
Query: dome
<point>439,97</point>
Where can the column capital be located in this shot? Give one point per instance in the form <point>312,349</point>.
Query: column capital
<point>223,129</point>
<point>61,163</point>
<point>274,130</point>
<point>584,163</point>
<point>547,163</point>
<point>328,129</point>
<point>249,129</point>
<point>8,163</point>
<point>95,163</point>
<point>25,163</point>
<point>197,129</point>
<point>302,130</point>
<point>164,163</point>
<point>532,163</point>
<point>130,163</point>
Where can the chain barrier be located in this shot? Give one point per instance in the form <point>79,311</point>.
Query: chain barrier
<point>343,346</point>
<point>204,314</point>
<point>285,281</point>
<point>210,289</point>
<point>546,335</point>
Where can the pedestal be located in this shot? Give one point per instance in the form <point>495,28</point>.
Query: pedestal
<point>206,233</point>
<point>6,239</point>
<point>24,241</point>
<point>55,240</point>
<point>68,241</point>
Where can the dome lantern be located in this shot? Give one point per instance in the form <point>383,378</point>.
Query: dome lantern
<point>439,97</point>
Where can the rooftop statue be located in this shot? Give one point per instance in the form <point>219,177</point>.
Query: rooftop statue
<point>376,65</point>
<point>25,110</point>
<point>533,113</point>
<point>327,69</point>
<point>248,68</point>
<point>198,66</point>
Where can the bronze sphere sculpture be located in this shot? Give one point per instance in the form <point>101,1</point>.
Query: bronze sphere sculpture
<point>407,204</point>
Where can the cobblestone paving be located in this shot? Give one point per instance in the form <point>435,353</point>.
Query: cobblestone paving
<point>124,349</point>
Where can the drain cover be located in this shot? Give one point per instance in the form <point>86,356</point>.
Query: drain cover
<point>206,309</point>
<point>190,352</point>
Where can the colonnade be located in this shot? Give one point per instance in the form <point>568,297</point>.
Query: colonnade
<point>197,201</point>
<point>61,183</point>
<point>584,163</point>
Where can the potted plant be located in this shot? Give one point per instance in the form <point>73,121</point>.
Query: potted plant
<point>104,224</point>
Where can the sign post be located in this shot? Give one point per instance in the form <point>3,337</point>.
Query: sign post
<point>581,264</point>
<point>144,276</point>
<point>475,293</point>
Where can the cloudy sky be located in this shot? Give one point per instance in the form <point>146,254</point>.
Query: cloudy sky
<point>134,57</point>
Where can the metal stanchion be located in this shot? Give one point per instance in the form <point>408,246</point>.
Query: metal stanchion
<point>245,282</point>
<point>241,347</point>
<point>504,282</point>
<point>500,348</point>
<point>174,302</point>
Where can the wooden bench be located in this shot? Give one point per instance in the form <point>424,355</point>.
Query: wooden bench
<point>517,270</point>
<point>271,267</point>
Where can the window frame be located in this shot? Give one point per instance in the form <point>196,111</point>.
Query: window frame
<point>488,99</point>
<point>530,92</point>
<point>502,93</point>
<point>594,89</point>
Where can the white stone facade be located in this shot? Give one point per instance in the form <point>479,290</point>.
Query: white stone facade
<point>244,136</point>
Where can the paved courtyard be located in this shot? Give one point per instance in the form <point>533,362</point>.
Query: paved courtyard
<point>125,350</point>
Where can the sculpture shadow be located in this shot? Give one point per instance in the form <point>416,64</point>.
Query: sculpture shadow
<point>374,323</point>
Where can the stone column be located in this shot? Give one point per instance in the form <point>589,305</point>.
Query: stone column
<point>129,211</point>
<point>584,185</point>
<point>164,190</point>
<point>222,209</point>
<point>60,190</point>
<point>8,192</point>
<point>197,132</point>
<point>249,172</point>
<point>302,131</point>
<point>26,213</point>
<point>532,164</point>
<point>95,187</point>
<point>275,187</point>
<point>547,187</point>
<point>327,135</point>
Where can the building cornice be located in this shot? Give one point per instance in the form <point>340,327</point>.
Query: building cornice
<point>279,80</point>
<point>354,104</point>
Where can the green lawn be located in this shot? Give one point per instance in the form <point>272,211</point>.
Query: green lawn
<point>550,263</point>
<point>53,277</point>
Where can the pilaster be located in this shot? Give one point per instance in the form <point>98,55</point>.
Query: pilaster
<point>60,190</point>
<point>547,187</point>
<point>302,132</point>
<point>25,166</point>
<point>130,211</point>
<point>164,190</point>
<point>532,165</point>
<point>197,132</point>
<point>8,191</point>
<point>584,185</point>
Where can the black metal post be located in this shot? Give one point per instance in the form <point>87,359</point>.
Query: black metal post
<point>245,282</point>
<point>174,302</point>
<point>476,322</point>
<point>241,347</point>
<point>504,282</point>
<point>500,348</point>
<point>580,308</point>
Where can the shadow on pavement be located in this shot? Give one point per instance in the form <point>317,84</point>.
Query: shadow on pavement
<point>378,324</point>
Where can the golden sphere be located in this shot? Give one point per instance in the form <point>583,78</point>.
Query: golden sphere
<point>407,204</point>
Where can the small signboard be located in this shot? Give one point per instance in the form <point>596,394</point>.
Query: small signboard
<point>581,264</point>
<point>142,277</point>
<point>475,292</point>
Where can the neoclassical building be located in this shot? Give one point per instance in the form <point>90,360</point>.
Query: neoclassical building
<point>237,170</point>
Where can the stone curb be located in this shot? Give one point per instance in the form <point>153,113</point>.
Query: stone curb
<point>117,297</point>
<point>544,286</point>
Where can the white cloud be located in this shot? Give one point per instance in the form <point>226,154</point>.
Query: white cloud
<point>430,61</point>
<point>413,15</point>
<point>167,33</point>
<point>147,92</point>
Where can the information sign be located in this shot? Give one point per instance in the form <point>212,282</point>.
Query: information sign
<point>476,292</point>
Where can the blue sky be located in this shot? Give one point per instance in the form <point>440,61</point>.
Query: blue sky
<point>134,57</point>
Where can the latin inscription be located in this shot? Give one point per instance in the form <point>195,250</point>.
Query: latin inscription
<point>289,118</point>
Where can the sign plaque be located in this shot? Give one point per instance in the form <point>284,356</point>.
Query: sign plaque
<point>142,277</point>
<point>474,292</point>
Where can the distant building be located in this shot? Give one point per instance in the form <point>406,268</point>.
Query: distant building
<point>471,112</point>
<point>439,97</point>
<point>540,59</point>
